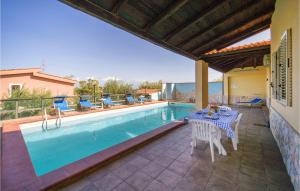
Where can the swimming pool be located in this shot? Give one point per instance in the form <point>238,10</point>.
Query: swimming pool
<point>82,136</point>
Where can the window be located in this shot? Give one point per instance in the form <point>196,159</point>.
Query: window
<point>14,87</point>
<point>282,70</point>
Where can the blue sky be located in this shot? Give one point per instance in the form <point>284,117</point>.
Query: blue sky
<point>70,42</point>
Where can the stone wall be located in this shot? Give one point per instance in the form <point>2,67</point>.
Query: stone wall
<point>288,141</point>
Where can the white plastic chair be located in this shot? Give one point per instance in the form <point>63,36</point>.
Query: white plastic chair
<point>224,108</point>
<point>206,131</point>
<point>236,127</point>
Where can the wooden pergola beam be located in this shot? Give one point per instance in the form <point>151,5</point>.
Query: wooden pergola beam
<point>228,64</point>
<point>212,7</point>
<point>233,65</point>
<point>263,21</point>
<point>218,23</point>
<point>117,6</point>
<point>171,9</point>
<point>103,14</point>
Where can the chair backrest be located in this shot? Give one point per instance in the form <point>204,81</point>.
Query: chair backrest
<point>61,105</point>
<point>224,108</point>
<point>130,99</point>
<point>202,129</point>
<point>238,119</point>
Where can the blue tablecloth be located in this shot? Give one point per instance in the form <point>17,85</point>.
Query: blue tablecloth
<point>224,122</point>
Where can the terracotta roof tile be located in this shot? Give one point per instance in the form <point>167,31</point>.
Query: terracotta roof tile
<point>251,45</point>
<point>147,91</point>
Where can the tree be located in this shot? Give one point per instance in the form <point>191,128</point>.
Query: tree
<point>87,87</point>
<point>151,85</point>
<point>117,87</point>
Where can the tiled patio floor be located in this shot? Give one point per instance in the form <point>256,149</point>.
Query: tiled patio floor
<point>166,164</point>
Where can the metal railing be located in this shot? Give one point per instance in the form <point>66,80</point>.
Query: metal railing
<point>18,108</point>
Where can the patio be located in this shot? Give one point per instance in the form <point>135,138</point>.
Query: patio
<point>166,164</point>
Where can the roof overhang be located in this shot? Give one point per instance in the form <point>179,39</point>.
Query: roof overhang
<point>36,72</point>
<point>188,27</point>
<point>227,59</point>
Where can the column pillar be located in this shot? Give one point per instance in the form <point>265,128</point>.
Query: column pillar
<point>226,89</point>
<point>201,79</point>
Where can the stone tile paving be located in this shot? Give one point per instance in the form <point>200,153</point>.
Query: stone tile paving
<point>166,164</point>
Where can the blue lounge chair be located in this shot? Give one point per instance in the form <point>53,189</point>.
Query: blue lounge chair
<point>130,99</point>
<point>253,102</point>
<point>61,104</point>
<point>107,101</point>
<point>85,103</point>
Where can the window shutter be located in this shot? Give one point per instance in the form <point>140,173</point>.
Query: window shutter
<point>282,69</point>
<point>274,75</point>
<point>289,68</point>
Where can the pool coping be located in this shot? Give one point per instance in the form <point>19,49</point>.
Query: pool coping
<point>18,172</point>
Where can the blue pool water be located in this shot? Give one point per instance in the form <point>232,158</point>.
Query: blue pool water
<point>78,139</point>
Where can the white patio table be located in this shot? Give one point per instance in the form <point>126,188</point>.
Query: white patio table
<point>224,120</point>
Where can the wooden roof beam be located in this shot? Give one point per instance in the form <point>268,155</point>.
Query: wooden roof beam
<point>216,59</point>
<point>237,56</point>
<point>211,42</point>
<point>230,62</point>
<point>212,7</point>
<point>218,23</point>
<point>107,16</point>
<point>117,6</point>
<point>215,67</point>
<point>234,65</point>
<point>171,9</point>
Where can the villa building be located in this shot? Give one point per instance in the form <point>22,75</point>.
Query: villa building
<point>260,158</point>
<point>34,78</point>
<point>154,93</point>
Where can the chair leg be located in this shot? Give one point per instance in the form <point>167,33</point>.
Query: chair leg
<point>234,143</point>
<point>237,135</point>
<point>218,146</point>
<point>192,146</point>
<point>211,144</point>
<point>223,151</point>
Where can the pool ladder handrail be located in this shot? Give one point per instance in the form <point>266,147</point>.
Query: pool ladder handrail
<point>45,119</point>
<point>58,118</point>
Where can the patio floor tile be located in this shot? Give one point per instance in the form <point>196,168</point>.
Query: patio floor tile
<point>124,187</point>
<point>125,171</point>
<point>108,182</point>
<point>169,178</point>
<point>139,180</point>
<point>180,167</point>
<point>155,186</point>
<point>153,169</point>
<point>166,164</point>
